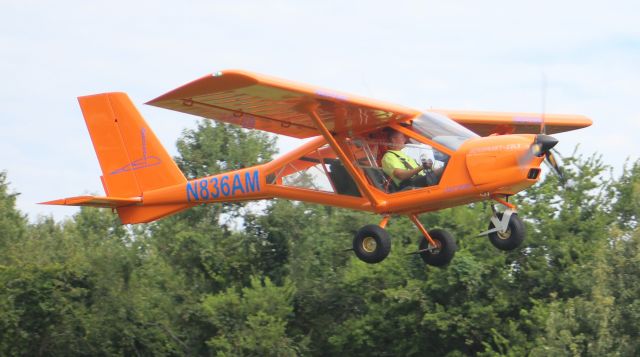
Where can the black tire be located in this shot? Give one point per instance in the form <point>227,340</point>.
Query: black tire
<point>443,254</point>
<point>372,244</point>
<point>512,238</point>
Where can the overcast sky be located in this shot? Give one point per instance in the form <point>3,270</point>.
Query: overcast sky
<point>475,55</point>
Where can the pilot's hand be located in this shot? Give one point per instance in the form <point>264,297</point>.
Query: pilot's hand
<point>427,165</point>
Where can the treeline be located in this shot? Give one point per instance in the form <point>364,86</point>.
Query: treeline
<point>225,280</point>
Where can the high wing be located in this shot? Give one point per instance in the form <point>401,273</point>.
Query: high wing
<point>256,101</point>
<point>488,123</point>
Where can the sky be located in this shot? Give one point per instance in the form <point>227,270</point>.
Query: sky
<point>459,54</point>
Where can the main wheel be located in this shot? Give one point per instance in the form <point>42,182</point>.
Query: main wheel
<point>442,253</point>
<point>512,237</point>
<point>372,244</point>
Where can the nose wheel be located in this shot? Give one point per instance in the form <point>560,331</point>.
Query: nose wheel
<point>506,229</point>
<point>511,236</point>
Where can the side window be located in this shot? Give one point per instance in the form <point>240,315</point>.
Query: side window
<point>321,170</point>
<point>368,152</point>
<point>318,170</point>
<point>399,152</point>
<point>422,152</point>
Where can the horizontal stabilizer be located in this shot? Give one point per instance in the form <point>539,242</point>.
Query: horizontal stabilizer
<point>96,201</point>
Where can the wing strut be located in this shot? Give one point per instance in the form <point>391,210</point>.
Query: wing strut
<point>359,179</point>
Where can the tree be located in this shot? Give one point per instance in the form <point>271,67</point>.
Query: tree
<point>217,147</point>
<point>12,222</point>
<point>282,281</point>
<point>203,244</point>
<point>252,321</point>
<point>201,241</point>
<point>87,287</point>
<point>627,197</point>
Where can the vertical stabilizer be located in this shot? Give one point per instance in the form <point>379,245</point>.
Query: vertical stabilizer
<point>131,157</point>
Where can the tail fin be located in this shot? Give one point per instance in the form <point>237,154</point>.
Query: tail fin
<point>131,157</point>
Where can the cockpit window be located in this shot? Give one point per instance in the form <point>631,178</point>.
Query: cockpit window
<point>442,130</point>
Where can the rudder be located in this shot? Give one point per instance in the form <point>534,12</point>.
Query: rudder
<point>131,157</point>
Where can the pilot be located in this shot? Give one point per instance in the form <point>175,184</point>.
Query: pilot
<point>403,170</point>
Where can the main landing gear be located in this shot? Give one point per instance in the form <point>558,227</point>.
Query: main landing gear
<point>437,247</point>
<point>372,244</point>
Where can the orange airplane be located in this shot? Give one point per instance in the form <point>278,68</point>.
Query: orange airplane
<point>348,162</point>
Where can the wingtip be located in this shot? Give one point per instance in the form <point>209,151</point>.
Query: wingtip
<point>229,78</point>
<point>69,201</point>
<point>95,201</point>
<point>59,202</point>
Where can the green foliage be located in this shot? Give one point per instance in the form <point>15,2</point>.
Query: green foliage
<point>225,280</point>
<point>12,222</point>
<point>252,321</point>
<point>217,147</point>
<point>627,197</point>
<point>84,288</point>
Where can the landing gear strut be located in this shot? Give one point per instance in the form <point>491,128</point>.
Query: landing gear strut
<point>372,244</point>
<point>440,254</point>
<point>437,247</point>
<point>506,230</point>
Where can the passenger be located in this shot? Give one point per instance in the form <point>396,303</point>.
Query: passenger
<point>403,170</point>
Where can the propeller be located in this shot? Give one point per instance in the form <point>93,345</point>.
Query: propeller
<point>541,146</point>
<point>557,169</point>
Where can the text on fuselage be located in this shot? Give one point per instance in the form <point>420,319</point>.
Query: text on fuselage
<point>227,185</point>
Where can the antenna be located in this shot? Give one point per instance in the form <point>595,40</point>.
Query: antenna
<point>550,159</point>
<point>366,85</point>
<point>543,91</point>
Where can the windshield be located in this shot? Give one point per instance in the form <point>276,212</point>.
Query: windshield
<point>442,130</point>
